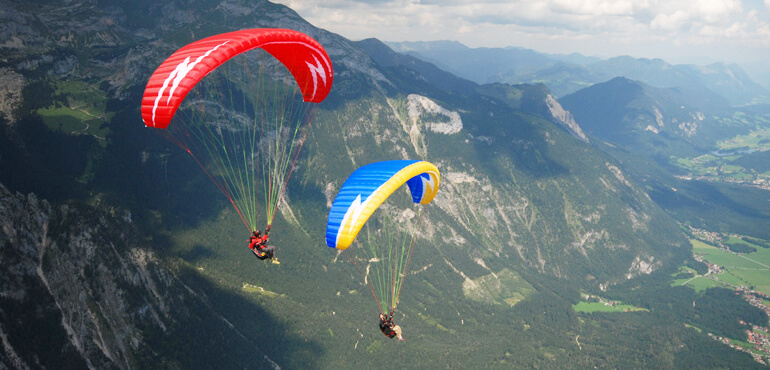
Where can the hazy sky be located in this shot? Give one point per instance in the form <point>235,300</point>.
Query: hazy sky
<point>678,31</point>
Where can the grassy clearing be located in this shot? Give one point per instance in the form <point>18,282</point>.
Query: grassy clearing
<point>598,304</point>
<point>725,259</point>
<point>589,307</point>
<point>747,269</point>
<point>505,286</point>
<point>699,330</point>
<point>733,239</point>
<point>701,283</point>
<point>250,288</point>
<point>721,167</point>
<point>755,140</point>
<point>80,110</point>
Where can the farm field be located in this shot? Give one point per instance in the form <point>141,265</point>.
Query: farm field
<point>589,307</point>
<point>747,269</point>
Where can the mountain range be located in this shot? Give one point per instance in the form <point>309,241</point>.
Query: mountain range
<point>566,74</point>
<point>118,252</point>
<point>653,117</point>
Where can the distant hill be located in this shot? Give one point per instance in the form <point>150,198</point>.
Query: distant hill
<point>438,80</point>
<point>757,161</point>
<point>729,81</point>
<point>635,115</point>
<point>653,131</point>
<point>567,74</point>
<point>481,65</point>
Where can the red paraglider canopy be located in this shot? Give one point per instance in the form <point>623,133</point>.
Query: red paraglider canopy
<point>303,56</point>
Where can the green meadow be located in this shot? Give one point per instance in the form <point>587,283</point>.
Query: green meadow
<point>79,108</point>
<point>747,269</point>
<point>757,139</point>
<point>725,167</point>
<point>590,303</point>
<point>589,307</point>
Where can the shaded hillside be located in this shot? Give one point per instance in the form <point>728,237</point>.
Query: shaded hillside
<point>714,206</point>
<point>758,161</point>
<point>647,129</point>
<point>646,119</point>
<point>82,287</point>
<point>535,99</point>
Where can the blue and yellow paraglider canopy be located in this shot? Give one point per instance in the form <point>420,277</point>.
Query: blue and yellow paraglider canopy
<point>368,187</point>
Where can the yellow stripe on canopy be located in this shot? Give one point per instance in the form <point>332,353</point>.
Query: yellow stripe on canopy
<point>352,223</point>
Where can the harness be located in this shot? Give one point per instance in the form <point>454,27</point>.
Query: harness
<point>259,243</point>
<point>387,328</point>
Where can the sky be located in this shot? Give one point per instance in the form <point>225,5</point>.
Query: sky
<point>678,31</point>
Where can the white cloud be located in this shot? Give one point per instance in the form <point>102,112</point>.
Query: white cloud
<point>713,11</point>
<point>593,7</point>
<point>672,22</point>
<point>649,28</point>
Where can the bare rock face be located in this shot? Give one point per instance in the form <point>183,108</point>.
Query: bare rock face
<point>418,105</point>
<point>564,117</point>
<point>11,84</point>
<point>85,280</point>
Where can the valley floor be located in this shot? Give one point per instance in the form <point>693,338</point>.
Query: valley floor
<point>746,273</point>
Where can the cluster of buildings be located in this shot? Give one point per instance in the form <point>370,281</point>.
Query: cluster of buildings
<point>758,339</point>
<point>762,183</point>
<point>755,298</point>
<point>708,236</point>
<point>758,336</point>
<point>716,174</point>
<point>713,267</point>
<point>594,298</point>
<point>757,357</point>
